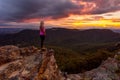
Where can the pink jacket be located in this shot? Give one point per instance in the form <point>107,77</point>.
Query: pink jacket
<point>42,31</point>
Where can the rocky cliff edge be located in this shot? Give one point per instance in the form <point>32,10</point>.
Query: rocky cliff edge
<point>30,63</point>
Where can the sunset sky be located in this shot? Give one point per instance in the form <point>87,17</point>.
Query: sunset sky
<point>77,14</point>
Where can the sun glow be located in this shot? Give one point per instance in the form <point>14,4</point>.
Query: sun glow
<point>100,23</point>
<point>86,21</point>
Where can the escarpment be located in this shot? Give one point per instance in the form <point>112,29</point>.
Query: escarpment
<point>31,63</point>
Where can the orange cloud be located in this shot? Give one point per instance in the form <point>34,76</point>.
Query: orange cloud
<point>88,6</point>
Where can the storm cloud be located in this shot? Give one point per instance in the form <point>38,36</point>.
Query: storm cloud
<point>18,10</point>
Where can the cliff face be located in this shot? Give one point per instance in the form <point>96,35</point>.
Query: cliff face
<point>27,63</point>
<point>30,63</point>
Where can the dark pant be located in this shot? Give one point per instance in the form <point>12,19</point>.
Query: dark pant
<point>42,37</point>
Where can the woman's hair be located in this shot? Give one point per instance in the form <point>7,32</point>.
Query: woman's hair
<point>41,23</point>
<point>42,26</point>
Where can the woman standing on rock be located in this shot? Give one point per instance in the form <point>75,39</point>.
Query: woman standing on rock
<point>42,33</point>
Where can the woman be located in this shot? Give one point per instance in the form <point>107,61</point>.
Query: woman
<point>42,33</point>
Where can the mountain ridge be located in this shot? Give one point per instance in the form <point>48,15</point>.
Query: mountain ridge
<point>80,41</point>
<point>4,31</point>
<point>61,35</point>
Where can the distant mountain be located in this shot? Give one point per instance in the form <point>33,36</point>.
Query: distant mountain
<point>61,36</point>
<point>116,30</point>
<point>9,30</point>
<point>77,36</point>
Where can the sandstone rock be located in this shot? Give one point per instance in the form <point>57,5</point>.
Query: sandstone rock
<point>49,69</point>
<point>33,64</point>
<point>26,51</point>
<point>8,54</point>
<point>22,68</point>
<point>30,63</point>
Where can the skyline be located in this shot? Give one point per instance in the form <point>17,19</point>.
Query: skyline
<point>78,14</point>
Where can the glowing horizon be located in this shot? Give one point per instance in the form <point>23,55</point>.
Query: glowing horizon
<point>89,21</point>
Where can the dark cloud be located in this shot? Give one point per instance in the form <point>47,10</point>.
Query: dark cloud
<point>17,10</point>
